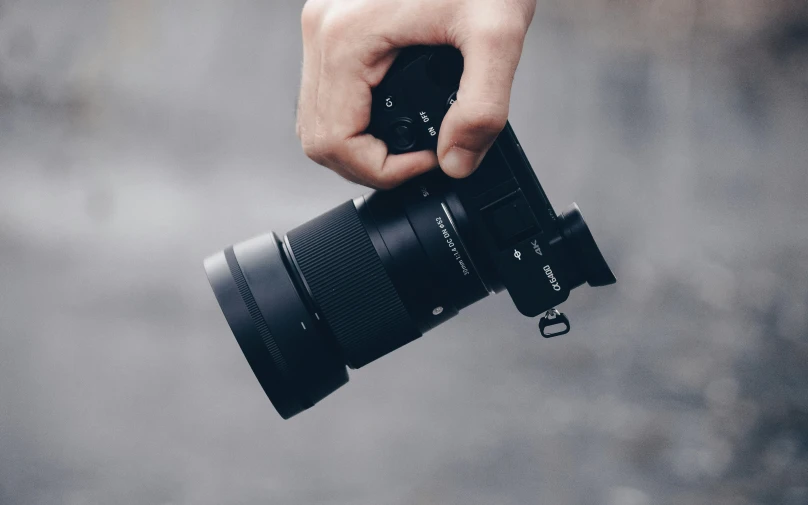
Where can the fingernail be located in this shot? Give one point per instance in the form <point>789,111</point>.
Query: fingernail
<point>460,162</point>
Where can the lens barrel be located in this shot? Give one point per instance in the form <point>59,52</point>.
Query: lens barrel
<point>345,276</point>
<point>345,288</point>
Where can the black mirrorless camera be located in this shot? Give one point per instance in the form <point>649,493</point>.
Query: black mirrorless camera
<point>375,273</point>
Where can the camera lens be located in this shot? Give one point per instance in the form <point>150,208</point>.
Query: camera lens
<point>364,279</point>
<point>343,289</point>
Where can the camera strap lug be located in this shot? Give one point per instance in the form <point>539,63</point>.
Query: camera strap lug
<point>553,318</point>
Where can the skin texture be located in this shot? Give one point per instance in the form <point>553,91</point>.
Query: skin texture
<point>348,46</point>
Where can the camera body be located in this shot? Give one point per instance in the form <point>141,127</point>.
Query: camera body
<point>524,244</point>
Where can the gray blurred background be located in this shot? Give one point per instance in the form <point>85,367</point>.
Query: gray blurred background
<point>137,137</point>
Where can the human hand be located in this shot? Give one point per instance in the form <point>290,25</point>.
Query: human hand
<point>348,47</point>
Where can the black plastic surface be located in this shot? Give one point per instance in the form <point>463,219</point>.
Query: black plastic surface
<point>512,222</point>
<point>348,282</point>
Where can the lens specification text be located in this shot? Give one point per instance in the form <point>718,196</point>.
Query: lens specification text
<point>451,243</point>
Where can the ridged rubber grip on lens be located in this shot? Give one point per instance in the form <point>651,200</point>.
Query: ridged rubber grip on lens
<point>350,285</point>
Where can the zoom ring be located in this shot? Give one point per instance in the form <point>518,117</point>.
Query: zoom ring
<point>350,285</point>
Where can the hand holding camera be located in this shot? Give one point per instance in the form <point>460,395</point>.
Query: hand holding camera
<point>348,47</point>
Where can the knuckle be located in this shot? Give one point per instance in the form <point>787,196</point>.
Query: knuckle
<point>381,181</point>
<point>348,175</point>
<point>326,150</point>
<point>336,26</point>
<point>313,150</point>
<point>342,172</point>
<point>310,152</point>
<point>310,16</point>
<point>327,147</point>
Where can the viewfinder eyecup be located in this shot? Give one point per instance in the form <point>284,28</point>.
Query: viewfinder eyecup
<point>581,244</point>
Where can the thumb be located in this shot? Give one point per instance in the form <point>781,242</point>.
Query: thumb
<point>481,111</point>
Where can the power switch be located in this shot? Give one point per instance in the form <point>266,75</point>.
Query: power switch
<point>510,219</point>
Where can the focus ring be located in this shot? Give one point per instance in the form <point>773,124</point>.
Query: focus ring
<point>350,285</point>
